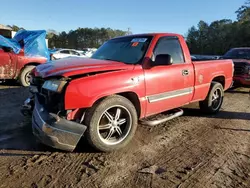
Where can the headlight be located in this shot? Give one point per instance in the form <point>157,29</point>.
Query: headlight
<point>54,85</point>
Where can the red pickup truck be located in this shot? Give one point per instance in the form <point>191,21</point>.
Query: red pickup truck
<point>17,66</point>
<point>241,59</point>
<point>128,78</point>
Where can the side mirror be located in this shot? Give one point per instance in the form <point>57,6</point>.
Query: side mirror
<point>163,59</point>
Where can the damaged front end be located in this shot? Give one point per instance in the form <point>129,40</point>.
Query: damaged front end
<point>49,118</point>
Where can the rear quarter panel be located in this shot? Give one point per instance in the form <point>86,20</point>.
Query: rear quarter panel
<point>206,72</point>
<point>23,60</point>
<point>8,65</point>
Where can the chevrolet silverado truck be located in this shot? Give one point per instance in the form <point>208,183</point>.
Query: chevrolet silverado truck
<point>241,60</point>
<point>127,79</point>
<point>17,66</point>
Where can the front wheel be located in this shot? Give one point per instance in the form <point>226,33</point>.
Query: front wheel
<point>25,75</point>
<point>111,123</point>
<point>214,99</point>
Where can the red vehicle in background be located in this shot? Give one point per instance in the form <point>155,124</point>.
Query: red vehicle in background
<point>127,78</point>
<point>20,54</point>
<point>241,59</point>
<point>17,66</point>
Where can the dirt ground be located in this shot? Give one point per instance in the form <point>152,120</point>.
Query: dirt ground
<point>191,151</point>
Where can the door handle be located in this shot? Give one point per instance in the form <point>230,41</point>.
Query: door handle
<point>185,72</point>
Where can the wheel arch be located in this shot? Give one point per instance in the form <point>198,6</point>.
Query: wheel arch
<point>220,79</point>
<point>29,64</point>
<point>131,96</point>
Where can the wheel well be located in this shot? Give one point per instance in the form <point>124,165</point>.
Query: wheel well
<point>130,96</point>
<point>28,64</point>
<point>134,99</point>
<point>220,79</point>
<point>32,63</point>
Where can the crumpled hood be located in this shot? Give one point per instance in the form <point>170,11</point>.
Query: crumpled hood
<point>75,66</point>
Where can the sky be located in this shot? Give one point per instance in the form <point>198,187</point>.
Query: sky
<point>141,16</point>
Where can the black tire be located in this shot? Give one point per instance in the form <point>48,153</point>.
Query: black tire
<point>95,116</point>
<point>24,76</point>
<point>211,105</point>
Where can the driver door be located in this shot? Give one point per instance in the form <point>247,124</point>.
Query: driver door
<point>168,86</point>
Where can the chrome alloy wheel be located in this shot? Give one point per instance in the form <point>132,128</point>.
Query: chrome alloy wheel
<point>216,99</point>
<point>114,125</point>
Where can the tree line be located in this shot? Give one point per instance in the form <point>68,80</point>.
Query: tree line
<point>83,37</point>
<point>219,36</point>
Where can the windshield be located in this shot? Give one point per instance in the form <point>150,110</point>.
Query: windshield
<point>128,50</point>
<point>238,54</point>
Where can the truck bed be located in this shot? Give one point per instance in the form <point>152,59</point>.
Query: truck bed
<point>205,70</point>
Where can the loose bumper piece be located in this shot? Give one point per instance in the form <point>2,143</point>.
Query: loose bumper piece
<point>55,131</point>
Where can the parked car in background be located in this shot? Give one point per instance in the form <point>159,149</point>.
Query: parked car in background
<point>18,56</point>
<point>193,57</point>
<point>63,53</point>
<point>241,59</point>
<point>17,66</point>
<point>128,78</point>
<point>88,52</point>
<point>205,57</point>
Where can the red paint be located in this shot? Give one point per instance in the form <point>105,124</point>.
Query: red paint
<point>109,77</point>
<point>75,114</point>
<point>11,64</point>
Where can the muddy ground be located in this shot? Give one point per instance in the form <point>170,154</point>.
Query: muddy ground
<point>191,151</point>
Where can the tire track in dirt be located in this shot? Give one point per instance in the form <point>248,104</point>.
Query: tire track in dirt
<point>55,169</point>
<point>227,143</point>
<point>219,156</point>
<point>218,122</point>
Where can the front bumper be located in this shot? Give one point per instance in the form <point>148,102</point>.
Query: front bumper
<point>54,131</point>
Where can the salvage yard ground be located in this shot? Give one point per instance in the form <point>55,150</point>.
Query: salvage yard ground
<point>191,151</point>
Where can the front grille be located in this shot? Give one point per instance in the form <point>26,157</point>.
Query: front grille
<point>240,68</point>
<point>52,101</point>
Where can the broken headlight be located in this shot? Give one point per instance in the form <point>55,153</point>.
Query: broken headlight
<point>54,85</point>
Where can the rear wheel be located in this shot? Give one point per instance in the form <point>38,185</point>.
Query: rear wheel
<point>25,75</point>
<point>214,100</point>
<point>111,123</point>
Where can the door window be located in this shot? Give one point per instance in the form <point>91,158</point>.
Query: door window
<point>171,46</point>
<point>64,52</point>
<point>74,52</point>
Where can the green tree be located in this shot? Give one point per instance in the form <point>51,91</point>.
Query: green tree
<point>83,38</point>
<point>243,13</point>
<point>219,36</point>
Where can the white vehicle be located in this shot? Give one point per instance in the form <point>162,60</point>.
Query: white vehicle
<point>88,52</point>
<point>63,53</point>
